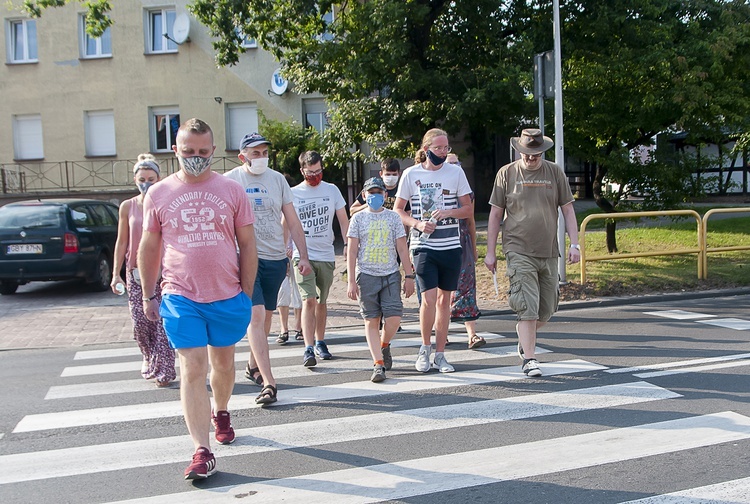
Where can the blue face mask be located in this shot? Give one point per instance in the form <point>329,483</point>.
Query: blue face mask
<point>375,201</point>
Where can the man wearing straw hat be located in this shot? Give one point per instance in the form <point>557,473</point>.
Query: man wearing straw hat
<point>524,203</point>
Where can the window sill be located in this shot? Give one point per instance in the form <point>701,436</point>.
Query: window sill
<point>88,58</point>
<point>15,63</point>
<point>162,53</point>
<point>28,160</point>
<point>100,156</point>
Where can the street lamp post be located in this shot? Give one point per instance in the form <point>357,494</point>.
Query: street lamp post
<point>559,141</point>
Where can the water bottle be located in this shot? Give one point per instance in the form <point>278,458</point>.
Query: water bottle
<point>120,288</point>
<point>425,236</point>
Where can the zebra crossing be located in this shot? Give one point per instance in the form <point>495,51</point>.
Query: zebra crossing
<point>103,434</point>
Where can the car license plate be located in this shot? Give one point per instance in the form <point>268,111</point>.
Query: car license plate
<point>25,248</point>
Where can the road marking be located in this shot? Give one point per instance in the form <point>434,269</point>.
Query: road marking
<point>694,369</point>
<point>678,314</point>
<point>98,458</point>
<point>729,492</point>
<point>728,323</point>
<point>418,382</point>
<point>453,471</point>
<point>279,372</point>
<point>276,353</point>
<point>669,365</point>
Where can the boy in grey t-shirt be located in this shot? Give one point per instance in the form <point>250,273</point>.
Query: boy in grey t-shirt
<point>375,236</point>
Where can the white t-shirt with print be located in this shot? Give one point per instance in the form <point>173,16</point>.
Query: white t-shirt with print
<point>267,193</point>
<point>428,190</point>
<point>377,233</point>
<point>316,208</point>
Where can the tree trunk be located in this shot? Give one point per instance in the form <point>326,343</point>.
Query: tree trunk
<point>607,207</point>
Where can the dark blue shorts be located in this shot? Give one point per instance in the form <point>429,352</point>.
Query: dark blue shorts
<point>437,268</point>
<point>268,282</point>
<point>220,324</point>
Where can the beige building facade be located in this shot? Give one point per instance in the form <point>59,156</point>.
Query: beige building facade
<point>76,111</point>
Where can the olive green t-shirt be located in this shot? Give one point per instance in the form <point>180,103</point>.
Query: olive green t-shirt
<point>531,199</point>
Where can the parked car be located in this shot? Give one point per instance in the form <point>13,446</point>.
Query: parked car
<point>57,239</point>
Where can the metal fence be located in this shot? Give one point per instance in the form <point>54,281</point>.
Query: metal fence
<point>40,177</point>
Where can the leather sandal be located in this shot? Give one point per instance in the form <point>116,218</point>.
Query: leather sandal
<point>253,374</point>
<point>298,336</point>
<point>476,342</point>
<point>267,395</point>
<point>283,338</point>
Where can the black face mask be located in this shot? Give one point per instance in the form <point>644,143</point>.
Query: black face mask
<point>435,159</point>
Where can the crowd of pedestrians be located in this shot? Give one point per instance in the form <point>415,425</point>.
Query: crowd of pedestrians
<point>209,258</point>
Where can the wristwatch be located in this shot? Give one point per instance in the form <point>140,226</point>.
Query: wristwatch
<point>412,276</point>
<point>575,246</point>
<point>149,298</point>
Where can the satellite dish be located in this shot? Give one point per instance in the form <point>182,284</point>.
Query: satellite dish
<point>279,84</point>
<point>181,28</point>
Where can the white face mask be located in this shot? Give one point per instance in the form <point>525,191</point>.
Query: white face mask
<point>258,166</point>
<point>390,180</point>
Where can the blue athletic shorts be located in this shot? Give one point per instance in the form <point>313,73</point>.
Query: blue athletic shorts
<point>220,324</point>
<point>268,282</point>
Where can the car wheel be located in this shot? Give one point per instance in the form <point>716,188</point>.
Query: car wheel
<point>8,287</point>
<point>103,274</point>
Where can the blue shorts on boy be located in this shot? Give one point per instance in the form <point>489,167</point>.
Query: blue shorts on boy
<point>220,324</point>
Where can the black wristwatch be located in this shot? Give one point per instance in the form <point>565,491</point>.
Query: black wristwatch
<point>149,298</point>
<point>412,276</point>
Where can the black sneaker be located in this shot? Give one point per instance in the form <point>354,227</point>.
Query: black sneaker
<point>322,350</point>
<point>531,368</point>
<point>387,358</point>
<point>309,358</point>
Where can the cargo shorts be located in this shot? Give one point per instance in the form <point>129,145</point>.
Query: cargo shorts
<point>534,286</point>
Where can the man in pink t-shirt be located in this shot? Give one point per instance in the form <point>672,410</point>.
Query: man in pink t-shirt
<point>199,219</point>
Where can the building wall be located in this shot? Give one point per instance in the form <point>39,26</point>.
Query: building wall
<point>62,87</point>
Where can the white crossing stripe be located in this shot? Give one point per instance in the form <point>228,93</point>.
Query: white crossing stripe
<point>275,353</point>
<point>678,314</point>
<point>150,452</point>
<point>694,369</point>
<point>429,381</point>
<point>729,323</point>
<point>453,471</point>
<point>729,492</point>
<point>279,372</point>
<point>670,365</point>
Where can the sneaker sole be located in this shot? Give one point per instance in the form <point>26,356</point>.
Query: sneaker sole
<point>192,475</point>
<point>226,442</point>
<point>377,379</point>
<point>534,373</point>
<point>329,357</point>
<point>444,371</point>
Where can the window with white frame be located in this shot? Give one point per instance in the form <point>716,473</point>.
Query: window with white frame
<point>246,42</point>
<point>315,114</point>
<point>242,119</point>
<point>20,41</point>
<point>158,31</point>
<point>93,47</point>
<point>163,125</point>
<point>328,20</point>
<point>99,131</point>
<point>27,137</point>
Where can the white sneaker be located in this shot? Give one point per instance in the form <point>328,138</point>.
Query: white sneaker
<point>441,364</point>
<point>531,367</point>
<point>423,359</point>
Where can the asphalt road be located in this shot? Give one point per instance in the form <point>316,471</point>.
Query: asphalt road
<point>637,402</point>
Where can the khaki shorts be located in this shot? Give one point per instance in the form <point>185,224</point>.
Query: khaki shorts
<point>316,284</point>
<point>534,286</point>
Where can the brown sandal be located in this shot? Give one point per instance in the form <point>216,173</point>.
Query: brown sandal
<point>476,342</point>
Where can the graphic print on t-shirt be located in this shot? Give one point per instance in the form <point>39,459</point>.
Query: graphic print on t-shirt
<point>315,215</point>
<point>379,246</point>
<point>430,198</point>
<point>265,220</point>
<point>196,218</point>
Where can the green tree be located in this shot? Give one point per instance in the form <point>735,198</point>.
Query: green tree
<point>288,140</point>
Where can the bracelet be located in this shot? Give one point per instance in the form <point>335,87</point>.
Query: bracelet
<point>146,299</point>
<point>412,276</point>
<point>575,246</point>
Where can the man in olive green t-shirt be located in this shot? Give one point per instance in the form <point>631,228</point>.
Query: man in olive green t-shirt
<point>528,193</point>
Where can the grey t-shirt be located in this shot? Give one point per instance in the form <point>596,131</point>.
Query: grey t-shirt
<point>377,233</point>
<point>267,192</point>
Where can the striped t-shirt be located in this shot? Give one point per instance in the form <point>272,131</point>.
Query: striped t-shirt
<point>428,190</point>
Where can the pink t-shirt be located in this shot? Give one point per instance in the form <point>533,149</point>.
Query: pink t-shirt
<point>197,224</point>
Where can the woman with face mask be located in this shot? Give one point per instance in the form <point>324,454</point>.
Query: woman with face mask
<point>439,195</point>
<point>158,357</point>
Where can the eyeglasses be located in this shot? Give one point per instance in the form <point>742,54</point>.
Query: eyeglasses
<point>445,149</point>
<point>312,174</point>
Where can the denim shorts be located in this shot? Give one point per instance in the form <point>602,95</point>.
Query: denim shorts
<point>380,295</point>
<point>220,324</point>
<point>268,282</point>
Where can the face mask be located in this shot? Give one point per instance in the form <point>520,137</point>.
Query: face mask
<point>144,186</point>
<point>258,166</point>
<point>435,159</point>
<point>375,201</point>
<point>195,165</point>
<point>390,180</point>
<point>314,180</point>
